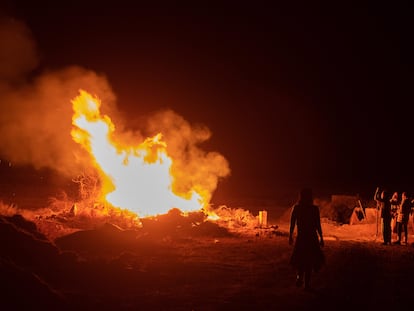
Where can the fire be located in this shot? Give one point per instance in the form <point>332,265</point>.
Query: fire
<point>138,178</point>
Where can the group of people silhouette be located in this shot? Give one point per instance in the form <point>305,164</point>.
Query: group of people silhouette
<point>395,210</point>
<point>307,255</point>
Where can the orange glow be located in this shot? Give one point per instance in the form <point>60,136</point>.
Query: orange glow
<point>138,178</point>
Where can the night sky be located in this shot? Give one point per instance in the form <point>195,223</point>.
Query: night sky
<point>294,95</point>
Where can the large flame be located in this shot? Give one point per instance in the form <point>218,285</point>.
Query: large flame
<point>136,178</point>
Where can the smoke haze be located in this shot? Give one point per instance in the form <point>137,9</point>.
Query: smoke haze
<point>35,119</point>
<point>36,116</point>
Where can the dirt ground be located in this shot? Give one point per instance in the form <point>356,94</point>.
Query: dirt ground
<point>175,267</point>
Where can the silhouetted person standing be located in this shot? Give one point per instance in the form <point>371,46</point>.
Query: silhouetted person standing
<point>395,203</point>
<point>384,205</point>
<point>307,255</point>
<point>403,215</point>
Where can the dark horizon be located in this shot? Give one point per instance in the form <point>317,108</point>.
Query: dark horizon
<point>27,187</point>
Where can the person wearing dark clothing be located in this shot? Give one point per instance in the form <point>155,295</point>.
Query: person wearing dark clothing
<point>307,255</point>
<point>383,199</point>
<point>395,203</point>
<point>403,215</point>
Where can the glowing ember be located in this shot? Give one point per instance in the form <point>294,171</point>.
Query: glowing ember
<point>137,178</point>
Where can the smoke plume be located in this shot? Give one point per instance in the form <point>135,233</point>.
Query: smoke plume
<point>36,117</point>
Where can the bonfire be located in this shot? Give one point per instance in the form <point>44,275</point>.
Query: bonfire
<point>132,185</point>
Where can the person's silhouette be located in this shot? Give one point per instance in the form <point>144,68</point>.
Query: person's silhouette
<point>383,199</point>
<point>307,255</point>
<point>403,215</point>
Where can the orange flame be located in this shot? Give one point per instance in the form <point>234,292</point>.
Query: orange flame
<point>135,178</point>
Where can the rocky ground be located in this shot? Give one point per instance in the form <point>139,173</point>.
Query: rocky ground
<point>175,264</point>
